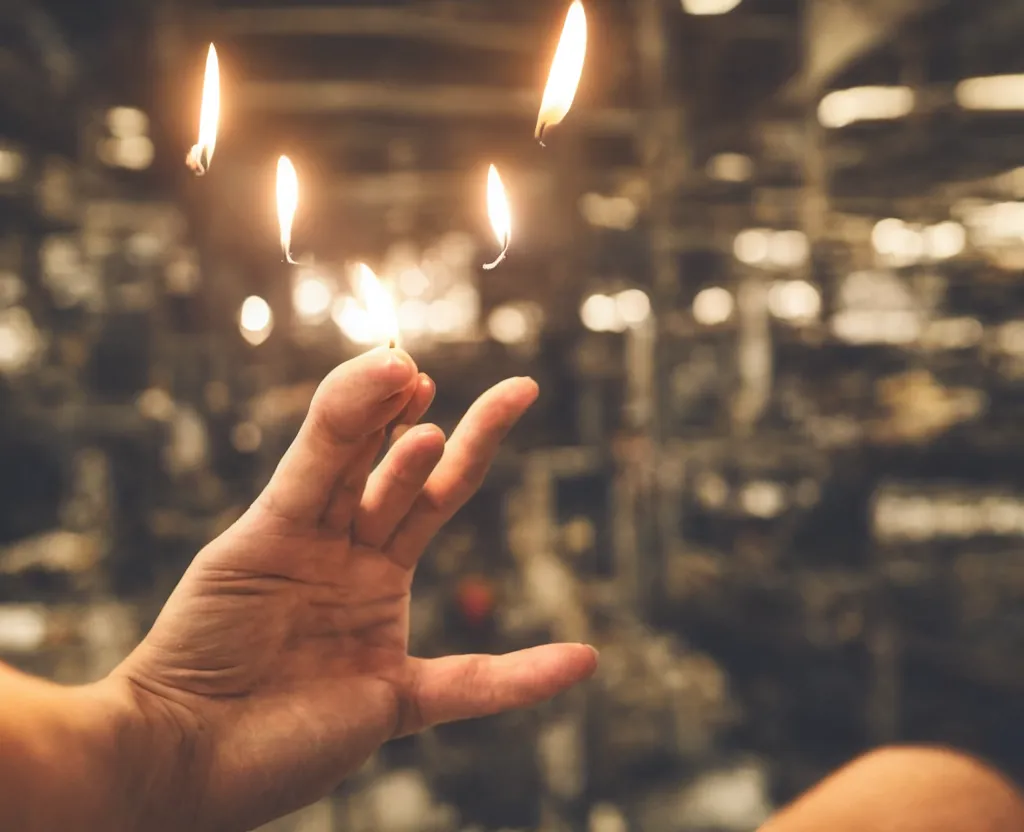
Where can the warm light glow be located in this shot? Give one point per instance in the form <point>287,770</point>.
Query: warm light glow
<point>945,240</point>
<point>201,155</point>
<point>713,306</point>
<point>516,323</point>
<point>600,313</point>
<point>566,70</point>
<point>499,213</point>
<point>371,318</point>
<point>842,108</point>
<point>256,321</point>
<point>730,167</point>
<point>993,92</point>
<point>796,301</point>
<point>312,297</point>
<point>709,7</point>
<point>771,249</point>
<point>898,243</point>
<point>752,246</point>
<point>378,303</point>
<point>508,325</point>
<point>287,203</point>
<point>634,307</point>
<point>788,249</point>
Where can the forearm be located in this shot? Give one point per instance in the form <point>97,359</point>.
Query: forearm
<point>76,759</point>
<point>910,790</point>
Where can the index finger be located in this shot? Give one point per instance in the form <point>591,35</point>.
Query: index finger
<point>355,402</point>
<point>466,461</point>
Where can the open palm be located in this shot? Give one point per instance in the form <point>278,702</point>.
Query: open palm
<point>281,657</point>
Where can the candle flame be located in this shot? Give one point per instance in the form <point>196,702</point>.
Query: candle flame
<point>566,70</point>
<point>499,213</point>
<point>201,154</point>
<point>372,318</point>
<point>287,203</point>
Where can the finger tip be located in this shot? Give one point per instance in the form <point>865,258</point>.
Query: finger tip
<point>589,660</point>
<point>429,439</point>
<point>396,365</point>
<point>530,387</point>
<point>433,434</point>
<point>571,664</point>
<point>581,663</point>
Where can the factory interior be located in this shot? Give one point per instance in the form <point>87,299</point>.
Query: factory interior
<point>764,271</point>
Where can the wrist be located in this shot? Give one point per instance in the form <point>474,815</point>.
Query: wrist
<point>152,749</point>
<point>96,757</point>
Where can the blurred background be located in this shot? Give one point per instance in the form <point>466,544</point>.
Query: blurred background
<point>767,273</point>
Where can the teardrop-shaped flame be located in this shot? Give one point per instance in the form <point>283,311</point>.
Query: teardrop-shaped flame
<point>201,155</point>
<point>287,203</point>
<point>566,71</point>
<point>499,213</point>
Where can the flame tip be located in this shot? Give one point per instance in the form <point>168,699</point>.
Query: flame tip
<point>566,70</point>
<point>199,158</point>
<point>287,203</point>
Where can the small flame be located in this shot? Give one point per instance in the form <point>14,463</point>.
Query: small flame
<point>372,318</point>
<point>201,154</point>
<point>566,70</point>
<point>499,213</point>
<point>287,203</point>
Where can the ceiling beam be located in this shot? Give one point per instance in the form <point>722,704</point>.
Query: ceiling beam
<point>376,22</point>
<point>839,32</point>
<point>321,97</point>
<point>412,187</point>
<point>426,187</point>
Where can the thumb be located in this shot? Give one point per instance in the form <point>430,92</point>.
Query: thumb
<point>467,687</point>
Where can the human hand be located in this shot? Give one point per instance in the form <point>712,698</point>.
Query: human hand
<point>280,663</point>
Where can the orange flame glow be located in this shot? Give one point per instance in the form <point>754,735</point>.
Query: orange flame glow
<point>287,203</point>
<point>201,154</point>
<point>566,71</point>
<point>499,213</point>
<point>372,318</point>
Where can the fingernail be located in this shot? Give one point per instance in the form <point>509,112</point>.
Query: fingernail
<point>595,651</point>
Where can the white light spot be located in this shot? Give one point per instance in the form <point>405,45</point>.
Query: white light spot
<point>127,123</point>
<point>751,246</point>
<point>600,313</point>
<point>844,107</point>
<point>730,167</point>
<point>445,316</point>
<point>713,306</point>
<point>709,7</point>
<point>413,283</point>
<point>312,298</point>
<point>508,325</point>
<point>256,320</point>
<point>763,499</point>
<point>788,249</point>
<point>135,153</point>
<point>22,629</point>
<point>633,306</point>
<point>794,300</point>
<point>945,240</point>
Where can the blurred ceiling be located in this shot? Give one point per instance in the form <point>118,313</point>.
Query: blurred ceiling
<point>392,110</point>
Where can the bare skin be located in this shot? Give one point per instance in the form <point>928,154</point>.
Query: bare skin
<point>280,662</point>
<point>909,789</point>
